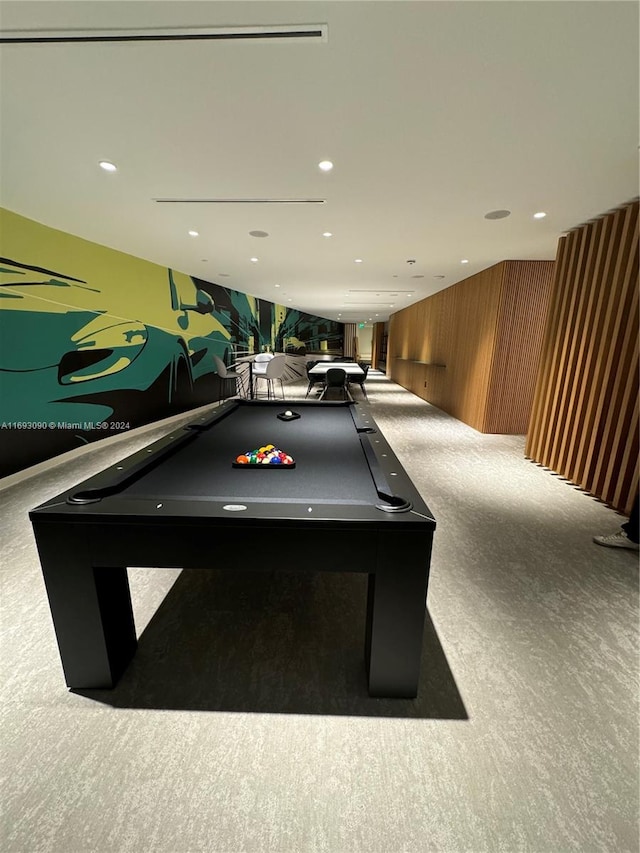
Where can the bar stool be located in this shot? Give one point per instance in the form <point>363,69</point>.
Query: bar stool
<point>274,370</point>
<point>224,373</point>
<point>259,367</point>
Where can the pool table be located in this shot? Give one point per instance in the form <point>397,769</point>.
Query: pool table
<point>345,505</point>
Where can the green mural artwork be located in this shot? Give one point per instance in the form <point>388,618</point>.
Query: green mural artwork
<point>93,340</point>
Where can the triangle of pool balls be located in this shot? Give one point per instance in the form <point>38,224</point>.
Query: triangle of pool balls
<point>266,456</point>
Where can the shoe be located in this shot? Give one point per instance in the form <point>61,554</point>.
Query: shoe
<point>617,540</point>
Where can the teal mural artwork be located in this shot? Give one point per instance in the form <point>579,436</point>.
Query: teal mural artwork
<point>54,356</point>
<point>300,333</point>
<point>75,367</point>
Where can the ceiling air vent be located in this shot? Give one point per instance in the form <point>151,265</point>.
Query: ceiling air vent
<point>277,33</point>
<point>239,200</point>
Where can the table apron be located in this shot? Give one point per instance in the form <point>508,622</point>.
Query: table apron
<point>84,569</point>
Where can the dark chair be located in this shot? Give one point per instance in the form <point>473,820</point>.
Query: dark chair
<point>312,380</point>
<point>336,386</point>
<point>360,380</point>
<point>343,358</point>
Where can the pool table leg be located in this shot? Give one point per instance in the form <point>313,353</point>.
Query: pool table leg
<point>396,605</point>
<point>91,610</point>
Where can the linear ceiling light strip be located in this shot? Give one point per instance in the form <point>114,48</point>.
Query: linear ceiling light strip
<point>311,32</point>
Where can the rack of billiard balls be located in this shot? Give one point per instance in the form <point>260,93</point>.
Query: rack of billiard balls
<point>263,456</point>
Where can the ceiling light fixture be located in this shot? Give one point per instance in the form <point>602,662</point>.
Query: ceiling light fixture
<point>258,233</point>
<point>325,165</point>
<point>358,261</point>
<point>540,215</point>
<point>253,260</point>
<point>464,261</point>
<point>193,234</point>
<point>107,166</point>
<point>327,234</point>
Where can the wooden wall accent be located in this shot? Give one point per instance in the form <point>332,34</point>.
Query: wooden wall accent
<point>524,305</point>
<point>472,349</point>
<point>584,420</point>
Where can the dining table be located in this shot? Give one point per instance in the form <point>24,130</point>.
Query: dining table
<point>351,368</point>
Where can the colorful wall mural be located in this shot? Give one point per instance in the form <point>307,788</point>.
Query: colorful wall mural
<point>95,341</point>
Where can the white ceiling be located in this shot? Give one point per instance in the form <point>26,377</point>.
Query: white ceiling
<point>434,113</point>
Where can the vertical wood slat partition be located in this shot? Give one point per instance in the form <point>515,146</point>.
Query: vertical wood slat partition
<point>350,341</point>
<point>473,349</point>
<point>584,419</point>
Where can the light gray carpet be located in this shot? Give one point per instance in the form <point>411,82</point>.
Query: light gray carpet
<point>243,724</point>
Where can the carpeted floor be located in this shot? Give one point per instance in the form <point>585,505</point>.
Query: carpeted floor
<point>243,724</point>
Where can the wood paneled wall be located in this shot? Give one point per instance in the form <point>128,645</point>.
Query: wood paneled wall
<point>524,304</point>
<point>584,420</point>
<point>473,349</point>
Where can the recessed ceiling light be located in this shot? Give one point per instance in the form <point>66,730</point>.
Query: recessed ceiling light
<point>327,234</point>
<point>358,261</point>
<point>540,215</point>
<point>204,260</point>
<point>258,233</point>
<point>464,261</point>
<point>276,285</point>
<point>254,260</point>
<point>107,166</point>
<point>325,165</point>
<point>438,276</point>
<point>497,214</point>
<point>193,234</point>
<point>417,276</point>
<point>224,274</point>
